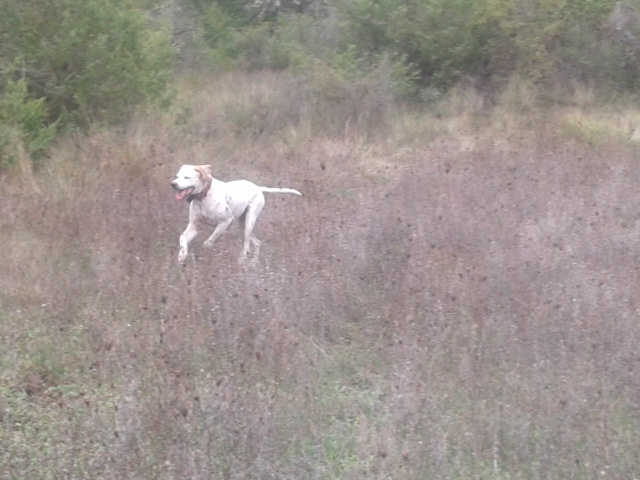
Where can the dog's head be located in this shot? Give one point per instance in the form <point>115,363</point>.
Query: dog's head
<point>192,181</point>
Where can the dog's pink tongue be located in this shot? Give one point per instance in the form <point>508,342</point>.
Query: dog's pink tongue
<point>182,194</point>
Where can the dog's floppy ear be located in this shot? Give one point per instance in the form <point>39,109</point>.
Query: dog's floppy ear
<point>207,179</point>
<point>204,170</point>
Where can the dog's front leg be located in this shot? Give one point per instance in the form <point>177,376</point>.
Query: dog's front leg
<point>189,234</point>
<point>220,228</point>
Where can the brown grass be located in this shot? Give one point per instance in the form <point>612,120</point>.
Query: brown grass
<point>454,299</point>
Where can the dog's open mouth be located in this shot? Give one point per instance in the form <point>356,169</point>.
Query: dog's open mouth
<point>182,194</point>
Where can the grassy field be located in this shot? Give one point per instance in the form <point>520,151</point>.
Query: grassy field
<point>455,296</point>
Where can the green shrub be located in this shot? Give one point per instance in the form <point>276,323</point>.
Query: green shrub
<point>272,45</point>
<point>90,60</point>
<point>23,123</point>
<point>550,43</point>
<point>256,45</point>
<point>449,40</point>
<point>445,39</point>
<point>348,93</point>
<point>216,29</point>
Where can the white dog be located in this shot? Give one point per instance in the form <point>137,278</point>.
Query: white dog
<point>220,202</point>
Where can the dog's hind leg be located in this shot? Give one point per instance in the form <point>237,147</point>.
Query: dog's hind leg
<point>249,220</point>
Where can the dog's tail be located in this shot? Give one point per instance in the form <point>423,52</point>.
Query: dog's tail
<point>279,190</point>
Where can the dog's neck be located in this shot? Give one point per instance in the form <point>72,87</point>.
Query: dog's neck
<point>203,193</point>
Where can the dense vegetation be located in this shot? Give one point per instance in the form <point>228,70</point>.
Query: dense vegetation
<point>67,64</point>
<point>454,295</point>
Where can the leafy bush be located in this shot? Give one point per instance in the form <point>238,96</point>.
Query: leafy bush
<point>23,123</point>
<point>216,31</point>
<point>89,60</point>
<point>444,39</point>
<point>276,44</point>
<point>448,40</point>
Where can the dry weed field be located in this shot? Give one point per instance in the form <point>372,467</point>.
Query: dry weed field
<point>454,296</point>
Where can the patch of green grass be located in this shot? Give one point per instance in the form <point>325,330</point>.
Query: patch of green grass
<point>590,130</point>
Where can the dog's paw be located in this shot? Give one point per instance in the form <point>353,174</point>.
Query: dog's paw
<point>182,256</point>
<point>208,244</point>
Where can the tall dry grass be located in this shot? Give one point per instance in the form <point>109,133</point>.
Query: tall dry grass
<point>450,298</point>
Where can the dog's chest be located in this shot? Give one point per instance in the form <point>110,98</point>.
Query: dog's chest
<point>211,209</point>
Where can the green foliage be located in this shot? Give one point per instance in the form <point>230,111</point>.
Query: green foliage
<point>444,39</point>
<point>448,40</point>
<point>216,31</point>
<point>89,60</point>
<point>547,28</point>
<point>23,123</point>
<point>272,45</point>
<point>548,42</point>
<point>259,47</point>
<point>235,10</point>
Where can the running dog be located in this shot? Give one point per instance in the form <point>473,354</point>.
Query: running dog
<point>222,203</point>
